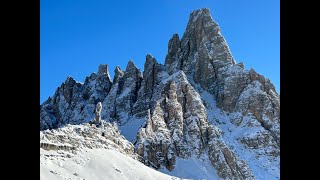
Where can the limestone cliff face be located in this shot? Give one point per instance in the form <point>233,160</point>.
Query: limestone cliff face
<point>200,102</point>
<point>203,54</point>
<point>123,94</point>
<point>177,126</point>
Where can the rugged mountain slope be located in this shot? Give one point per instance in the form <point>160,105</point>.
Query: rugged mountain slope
<point>87,152</point>
<point>199,104</point>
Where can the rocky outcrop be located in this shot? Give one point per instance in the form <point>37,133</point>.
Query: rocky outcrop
<point>201,51</point>
<point>74,102</point>
<point>75,138</point>
<point>199,103</point>
<point>128,89</point>
<point>152,75</point>
<point>119,104</point>
<point>118,74</point>
<point>174,124</point>
<point>178,127</point>
<point>226,162</point>
<point>205,57</point>
<point>174,46</point>
<point>97,113</point>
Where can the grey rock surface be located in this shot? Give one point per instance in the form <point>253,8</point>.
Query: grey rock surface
<point>97,112</point>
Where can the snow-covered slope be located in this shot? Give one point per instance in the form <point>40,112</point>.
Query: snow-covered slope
<point>193,168</point>
<point>89,152</point>
<point>95,164</point>
<point>264,159</point>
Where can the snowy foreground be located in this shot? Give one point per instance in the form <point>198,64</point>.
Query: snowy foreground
<point>77,152</point>
<point>95,164</point>
<point>86,152</point>
<point>107,164</point>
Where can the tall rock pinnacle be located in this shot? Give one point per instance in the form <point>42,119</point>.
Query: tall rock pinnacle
<point>97,119</point>
<point>117,74</point>
<point>201,51</point>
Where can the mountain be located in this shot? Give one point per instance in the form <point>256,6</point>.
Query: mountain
<point>200,106</point>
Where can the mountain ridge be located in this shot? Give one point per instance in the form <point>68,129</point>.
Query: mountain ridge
<point>187,105</point>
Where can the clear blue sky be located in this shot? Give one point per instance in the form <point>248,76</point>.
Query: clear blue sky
<point>77,36</point>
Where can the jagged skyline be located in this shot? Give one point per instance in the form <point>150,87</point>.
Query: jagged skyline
<point>69,47</point>
<point>199,104</point>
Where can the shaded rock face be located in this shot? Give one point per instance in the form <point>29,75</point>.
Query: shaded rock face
<point>200,102</point>
<point>74,102</point>
<point>176,125</point>
<point>226,162</point>
<point>123,94</point>
<point>152,76</point>
<point>118,74</point>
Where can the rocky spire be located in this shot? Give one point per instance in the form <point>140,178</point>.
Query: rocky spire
<point>203,32</point>
<point>68,87</point>
<point>202,40</point>
<point>103,84</point>
<point>200,27</point>
<point>103,70</point>
<point>132,71</point>
<point>131,65</point>
<point>173,47</point>
<point>124,92</point>
<point>97,119</point>
<point>150,75</point>
<point>150,61</point>
<point>117,74</point>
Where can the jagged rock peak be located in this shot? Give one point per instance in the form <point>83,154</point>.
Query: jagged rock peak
<point>201,49</point>
<point>118,73</point>
<point>173,46</point>
<point>131,65</point>
<point>199,12</point>
<point>174,43</point>
<point>132,71</point>
<point>103,69</point>
<point>69,82</point>
<point>201,25</point>
<point>149,56</point>
<point>150,68</point>
<point>70,79</point>
<point>201,20</point>
<point>149,60</point>
<point>117,69</point>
